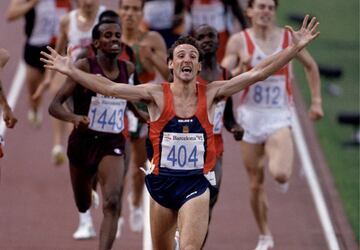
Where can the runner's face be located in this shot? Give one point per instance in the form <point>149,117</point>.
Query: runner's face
<point>89,6</point>
<point>262,13</point>
<point>208,39</point>
<point>110,39</point>
<point>185,63</point>
<point>131,13</point>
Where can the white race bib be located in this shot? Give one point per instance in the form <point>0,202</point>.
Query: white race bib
<point>218,117</point>
<point>182,151</point>
<point>107,114</point>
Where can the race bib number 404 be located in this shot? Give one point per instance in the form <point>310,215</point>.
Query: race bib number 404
<point>182,151</point>
<point>107,114</point>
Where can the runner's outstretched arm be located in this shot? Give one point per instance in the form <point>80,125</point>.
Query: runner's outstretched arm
<point>96,83</point>
<point>301,38</point>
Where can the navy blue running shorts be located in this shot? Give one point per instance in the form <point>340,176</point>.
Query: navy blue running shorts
<point>32,56</point>
<point>173,191</point>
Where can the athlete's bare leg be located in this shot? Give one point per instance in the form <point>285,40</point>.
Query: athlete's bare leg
<point>138,160</point>
<point>81,183</point>
<point>213,200</point>
<point>111,176</point>
<point>60,128</point>
<point>253,156</point>
<point>33,77</point>
<point>193,221</point>
<point>163,225</point>
<point>279,149</point>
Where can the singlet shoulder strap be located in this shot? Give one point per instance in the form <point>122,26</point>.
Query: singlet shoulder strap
<point>136,49</point>
<point>201,90</point>
<point>94,66</point>
<point>226,74</point>
<point>72,21</point>
<point>123,71</point>
<point>168,101</point>
<point>249,43</point>
<point>286,39</point>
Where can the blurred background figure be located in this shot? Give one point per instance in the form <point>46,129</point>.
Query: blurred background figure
<point>166,17</point>
<point>41,22</point>
<point>150,66</point>
<point>58,156</point>
<point>265,110</point>
<point>226,16</point>
<point>75,32</point>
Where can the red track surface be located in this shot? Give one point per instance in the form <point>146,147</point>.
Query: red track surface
<point>37,210</point>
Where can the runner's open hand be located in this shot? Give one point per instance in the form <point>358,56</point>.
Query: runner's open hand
<point>54,61</point>
<point>306,33</point>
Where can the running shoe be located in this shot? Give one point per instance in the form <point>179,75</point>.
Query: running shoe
<point>136,219</point>
<point>95,200</point>
<point>266,242</point>
<point>35,118</point>
<point>85,231</point>
<point>282,187</point>
<point>119,227</point>
<point>58,155</point>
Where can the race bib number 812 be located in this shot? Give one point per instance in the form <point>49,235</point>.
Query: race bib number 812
<point>269,93</point>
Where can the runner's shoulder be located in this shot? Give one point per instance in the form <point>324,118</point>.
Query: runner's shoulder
<point>153,37</point>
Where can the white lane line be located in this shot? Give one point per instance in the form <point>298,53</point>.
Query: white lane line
<point>314,184</point>
<point>147,244</point>
<point>14,92</point>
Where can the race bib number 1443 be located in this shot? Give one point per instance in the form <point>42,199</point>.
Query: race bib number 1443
<point>107,114</point>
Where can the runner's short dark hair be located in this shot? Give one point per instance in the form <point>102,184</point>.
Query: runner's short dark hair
<point>142,3</point>
<point>109,14</point>
<point>251,3</point>
<point>95,34</point>
<point>187,39</point>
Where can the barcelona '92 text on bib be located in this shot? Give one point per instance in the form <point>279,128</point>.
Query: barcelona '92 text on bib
<point>269,93</point>
<point>182,151</point>
<point>107,114</point>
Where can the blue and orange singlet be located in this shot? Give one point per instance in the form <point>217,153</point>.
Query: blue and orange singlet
<point>182,146</point>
